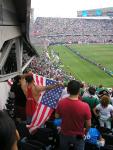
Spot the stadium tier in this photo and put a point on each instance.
(74, 30)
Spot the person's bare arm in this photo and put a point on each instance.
(26, 75)
(49, 87)
(23, 85)
(111, 114)
(95, 112)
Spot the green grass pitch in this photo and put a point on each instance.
(83, 70)
(102, 54)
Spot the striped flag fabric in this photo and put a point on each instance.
(46, 104)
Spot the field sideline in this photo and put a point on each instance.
(100, 53)
(81, 69)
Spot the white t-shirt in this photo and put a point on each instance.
(112, 100)
(105, 113)
(64, 94)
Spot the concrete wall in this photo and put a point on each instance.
(9, 26)
(4, 89)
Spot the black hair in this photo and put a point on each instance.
(15, 82)
(81, 85)
(27, 70)
(29, 79)
(100, 86)
(7, 131)
(112, 94)
(103, 92)
(73, 87)
(17, 78)
(92, 90)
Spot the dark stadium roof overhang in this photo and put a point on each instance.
(14, 35)
(23, 12)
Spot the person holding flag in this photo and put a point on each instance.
(33, 88)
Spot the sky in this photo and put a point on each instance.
(66, 8)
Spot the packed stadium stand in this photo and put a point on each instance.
(18, 55)
(74, 30)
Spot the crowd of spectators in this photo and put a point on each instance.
(98, 99)
(100, 103)
(75, 30)
(46, 67)
(95, 97)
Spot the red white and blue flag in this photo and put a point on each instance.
(47, 102)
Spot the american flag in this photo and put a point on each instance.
(46, 104)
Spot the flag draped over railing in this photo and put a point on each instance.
(46, 104)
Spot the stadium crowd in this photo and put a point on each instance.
(47, 26)
(97, 100)
(46, 67)
(81, 109)
(65, 30)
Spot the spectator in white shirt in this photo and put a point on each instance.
(104, 111)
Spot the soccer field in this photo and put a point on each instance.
(101, 53)
(82, 69)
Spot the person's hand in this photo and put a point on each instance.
(61, 84)
(17, 135)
